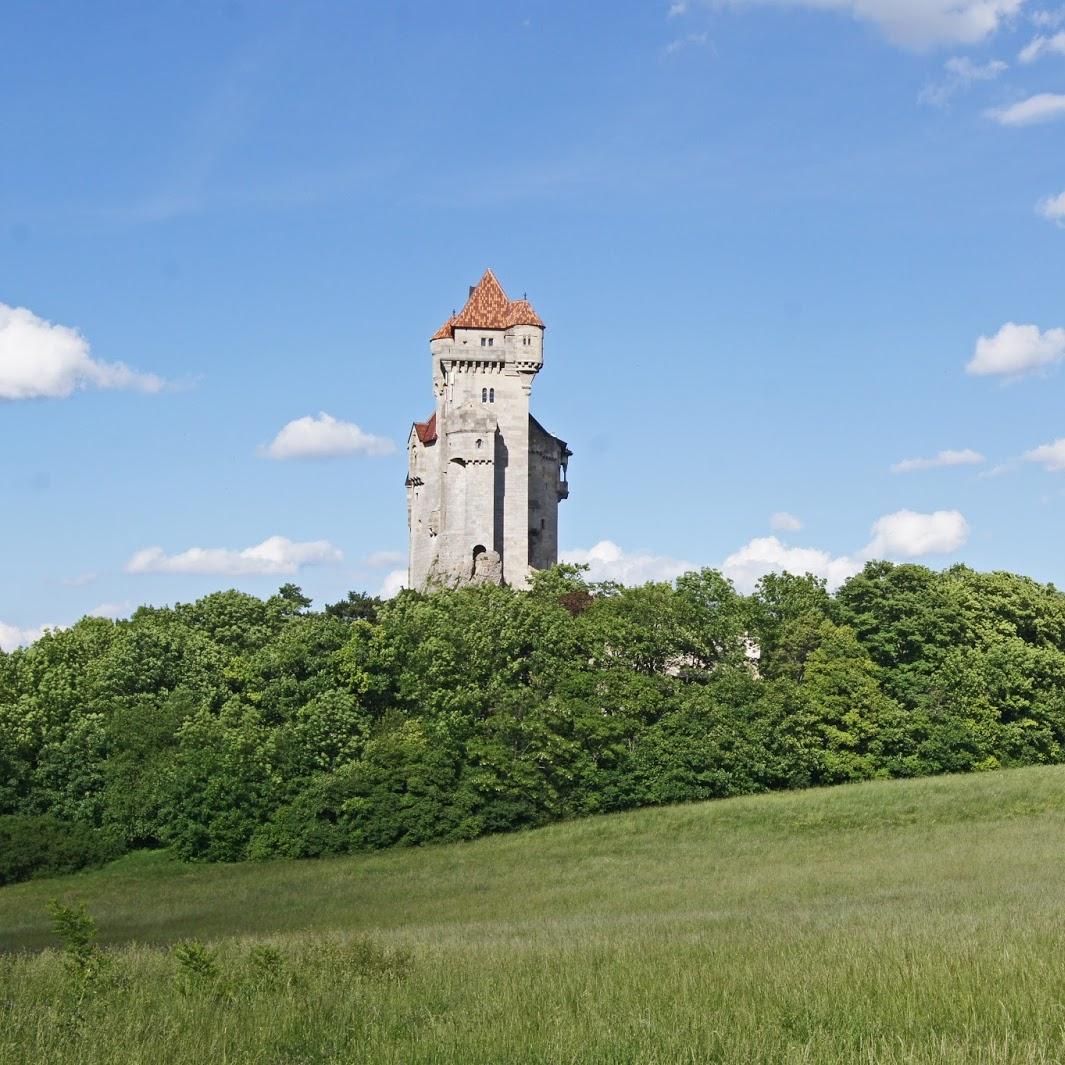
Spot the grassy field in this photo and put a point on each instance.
(919, 921)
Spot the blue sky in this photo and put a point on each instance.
(781, 247)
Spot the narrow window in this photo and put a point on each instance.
(483, 341)
(491, 395)
(484, 395)
(491, 341)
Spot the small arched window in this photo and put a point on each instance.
(491, 395)
(484, 395)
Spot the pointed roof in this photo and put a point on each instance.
(489, 308)
(426, 430)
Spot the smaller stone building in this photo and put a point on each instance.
(485, 477)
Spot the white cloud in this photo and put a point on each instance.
(1048, 19)
(324, 437)
(961, 73)
(917, 24)
(381, 559)
(608, 562)
(907, 534)
(699, 40)
(1050, 456)
(1053, 208)
(766, 554)
(782, 521)
(111, 610)
(11, 636)
(393, 583)
(39, 359)
(1017, 349)
(1043, 107)
(1042, 46)
(678, 8)
(277, 555)
(80, 580)
(965, 457)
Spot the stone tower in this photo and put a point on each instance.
(485, 478)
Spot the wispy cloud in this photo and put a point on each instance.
(111, 610)
(1041, 46)
(961, 73)
(965, 457)
(915, 24)
(1048, 19)
(782, 521)
(381, 559)
(689, 40)
(1043, 107)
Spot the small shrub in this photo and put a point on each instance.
(266, 968)
(197, 967)
(76, 931)
(32, 846)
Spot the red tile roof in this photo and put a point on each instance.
(489, 308)
(426, 430)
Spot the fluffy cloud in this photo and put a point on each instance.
(1017, 349)
(11, 636)
(277, 555)
(907, 534)
(39, 359)
(961, 73)
(1050, 456)
(766, 554)
(1053, 207)
(904, 534)
(917, 24)
(1043, 107)
(324, 437)
(966, 457)
(608, 562)
(394, 582)
(1042, 46)
(782, 521)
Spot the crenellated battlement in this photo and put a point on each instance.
(485, 477)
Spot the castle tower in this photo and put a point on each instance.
(485, 478)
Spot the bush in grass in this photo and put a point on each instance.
(40, 845)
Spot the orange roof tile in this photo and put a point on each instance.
(426, 430)
(489, 308)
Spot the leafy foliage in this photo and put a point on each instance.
(235, 727)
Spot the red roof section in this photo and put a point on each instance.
(489, 308)
(426, 430)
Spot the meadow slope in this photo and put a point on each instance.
(903, 921)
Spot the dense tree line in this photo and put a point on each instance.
(234, 728)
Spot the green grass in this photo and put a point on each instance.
(910, 921)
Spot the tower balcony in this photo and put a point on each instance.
(562, 489)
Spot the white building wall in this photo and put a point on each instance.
(463, 495)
